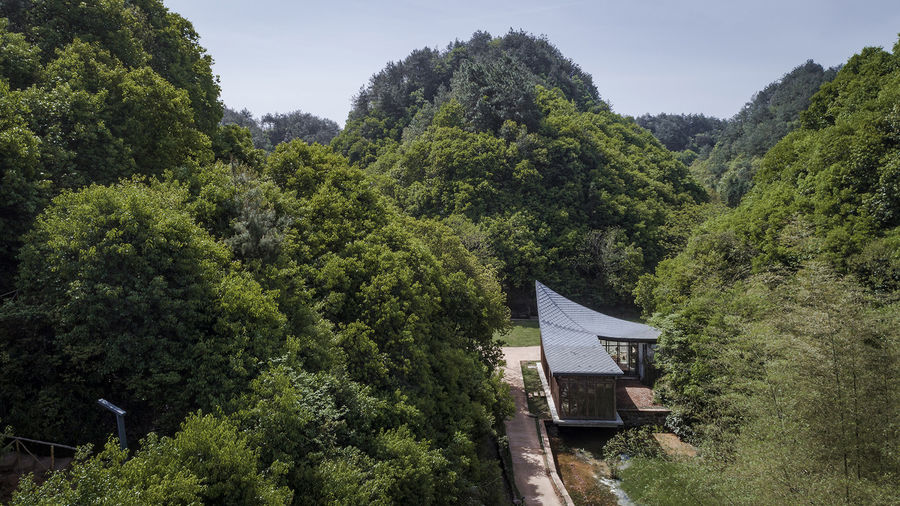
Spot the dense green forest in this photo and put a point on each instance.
(690, 135)
(294, 313)
(780, 317)
(276, 328)
(507, 142)
(274, 128)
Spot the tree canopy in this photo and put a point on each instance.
(122, 295)
(93, 92)
(693, 134)
(274, 128)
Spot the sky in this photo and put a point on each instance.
(646, 56)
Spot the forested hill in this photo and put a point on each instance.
(725, 154)
(493, 79)
(780, 343)
(274, 128)
(507, 142)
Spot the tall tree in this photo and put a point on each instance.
(299, 125)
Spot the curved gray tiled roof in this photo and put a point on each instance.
(570, 332)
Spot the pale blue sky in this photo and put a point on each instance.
(645, 56)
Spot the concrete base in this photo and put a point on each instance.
(569, 422)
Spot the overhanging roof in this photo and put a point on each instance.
(571, 333)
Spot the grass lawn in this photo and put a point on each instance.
(523, 333)
(537, 404)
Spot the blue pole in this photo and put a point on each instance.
(120, 420)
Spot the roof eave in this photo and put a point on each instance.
(630, 339)
(583, 373)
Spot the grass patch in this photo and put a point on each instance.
(537, 404)
(523, 333)
(660, 481)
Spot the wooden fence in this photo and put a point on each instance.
(24, 459)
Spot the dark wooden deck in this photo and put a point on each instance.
(634, 403)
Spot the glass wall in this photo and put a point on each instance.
(624, 354)
(587, 397)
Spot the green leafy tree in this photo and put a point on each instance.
(234, 144)
(832, 353)
(784, 376)
(413, 314)
(122, 295)
(696, 133)
(138, 33)
(21, 193)
(100, 122)
(779, 315)
(19, 60)
(108, 88)
(244, 118)
(274, 128)
(319, 426)
(412, 324)
(253, 216)
(207, 462)
(494, 91)
(298, 125)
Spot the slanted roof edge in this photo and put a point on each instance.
(570, 346)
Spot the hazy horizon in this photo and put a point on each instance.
(690, 57)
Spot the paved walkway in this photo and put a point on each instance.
(529, 468)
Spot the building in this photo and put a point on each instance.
(583, 354)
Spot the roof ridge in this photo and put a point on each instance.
(545, 288)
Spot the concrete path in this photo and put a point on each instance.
(527, 456)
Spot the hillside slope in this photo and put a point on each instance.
(507, 141)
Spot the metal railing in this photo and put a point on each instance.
(20, 445)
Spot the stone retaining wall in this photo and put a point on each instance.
(646, 416)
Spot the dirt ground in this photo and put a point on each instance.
(673, 446)
(632, 394)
